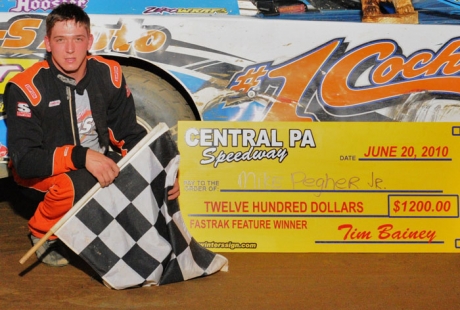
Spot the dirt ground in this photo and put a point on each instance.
(254, 281)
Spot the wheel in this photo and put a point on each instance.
(156, 100)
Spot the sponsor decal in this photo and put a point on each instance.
(340, 83)
(43, 5)
(3, 150)
(23, 110)
(54, 103)
(167, 10)
(10, 67)
(31, 91)
(25, 33)
(5, 69)
(116, 75)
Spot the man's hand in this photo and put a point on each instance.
(104, 169)
(175, 191)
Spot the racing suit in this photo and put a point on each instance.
(43, 137)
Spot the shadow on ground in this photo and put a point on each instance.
(19, 203)
(24, 207)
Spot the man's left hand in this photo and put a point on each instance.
(175, 191)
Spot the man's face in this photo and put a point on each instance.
(69, 43)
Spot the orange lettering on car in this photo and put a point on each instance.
(21, 34)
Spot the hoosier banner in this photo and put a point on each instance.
(321, 187)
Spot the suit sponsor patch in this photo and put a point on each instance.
(23, 110)
(54, 103)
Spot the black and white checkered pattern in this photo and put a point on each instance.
(129, 232)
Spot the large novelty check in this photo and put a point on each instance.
(321, 187)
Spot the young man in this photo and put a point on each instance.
(63, 113)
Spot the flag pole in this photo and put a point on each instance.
(155, 133)
(58, 225)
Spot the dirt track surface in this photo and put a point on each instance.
(254, 281)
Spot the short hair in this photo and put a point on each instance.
(65, 12)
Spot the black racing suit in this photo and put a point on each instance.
(43, 137)
(40, 106)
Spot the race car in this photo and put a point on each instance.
(236, 60)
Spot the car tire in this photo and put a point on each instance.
(156, 100)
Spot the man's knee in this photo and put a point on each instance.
(82, 181)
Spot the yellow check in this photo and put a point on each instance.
(321, 187)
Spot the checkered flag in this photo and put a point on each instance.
(130, 233)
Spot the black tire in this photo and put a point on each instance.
(156, 100)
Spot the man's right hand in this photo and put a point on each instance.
(104, 169)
